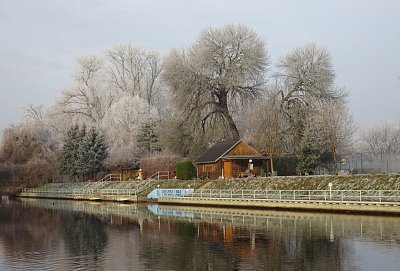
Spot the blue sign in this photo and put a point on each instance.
(173, 192)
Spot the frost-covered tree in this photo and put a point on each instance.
(332, 128)
(305, 78)
(86, 100)
(268, 126)
(135, 71)
(381, 138)
(92, 152)
(307, 75)
(223, 68)
(122, 123)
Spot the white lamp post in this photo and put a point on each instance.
(330, 190)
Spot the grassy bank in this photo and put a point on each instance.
(356, 182)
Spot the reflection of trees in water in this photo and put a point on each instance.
(83, 234)
(28, 231)
(290, 245)
(176, 246)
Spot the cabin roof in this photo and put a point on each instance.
(218, 151)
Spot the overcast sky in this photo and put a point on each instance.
(41, 39)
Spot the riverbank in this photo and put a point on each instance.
(133, 191)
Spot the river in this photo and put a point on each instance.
(70, 235)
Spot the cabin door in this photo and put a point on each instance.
(227, 169)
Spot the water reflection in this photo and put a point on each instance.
(64, 235)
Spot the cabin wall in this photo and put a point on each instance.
(210, 170)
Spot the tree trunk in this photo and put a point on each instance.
(223, 105)
(232, 127)
(272, 167)
(334, 160)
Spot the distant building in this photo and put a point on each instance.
(231, 159)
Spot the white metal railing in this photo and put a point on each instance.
(302, 195)
(159, 175)
(111, 177)
(75, 192)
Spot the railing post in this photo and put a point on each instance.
(341, 192)
(294, 194)
(360, 195)
(309, 195)
(280, 194)
(380, 196)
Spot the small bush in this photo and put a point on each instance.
(185, 170)
(159, 162)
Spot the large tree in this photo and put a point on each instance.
(268, 125)
(86, 100)
(121, 125)
(135, 71)
(332, 127)
(223, 68)
(306, 75)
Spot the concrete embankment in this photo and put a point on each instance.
(131, 198)
(325, 206)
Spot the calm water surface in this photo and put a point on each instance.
(67, 235)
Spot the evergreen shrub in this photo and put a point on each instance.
(185, 170)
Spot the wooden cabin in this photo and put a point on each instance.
(231, 159)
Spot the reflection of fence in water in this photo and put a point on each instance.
(381, 228)
(86, 207)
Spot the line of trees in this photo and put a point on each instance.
(223, 86)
